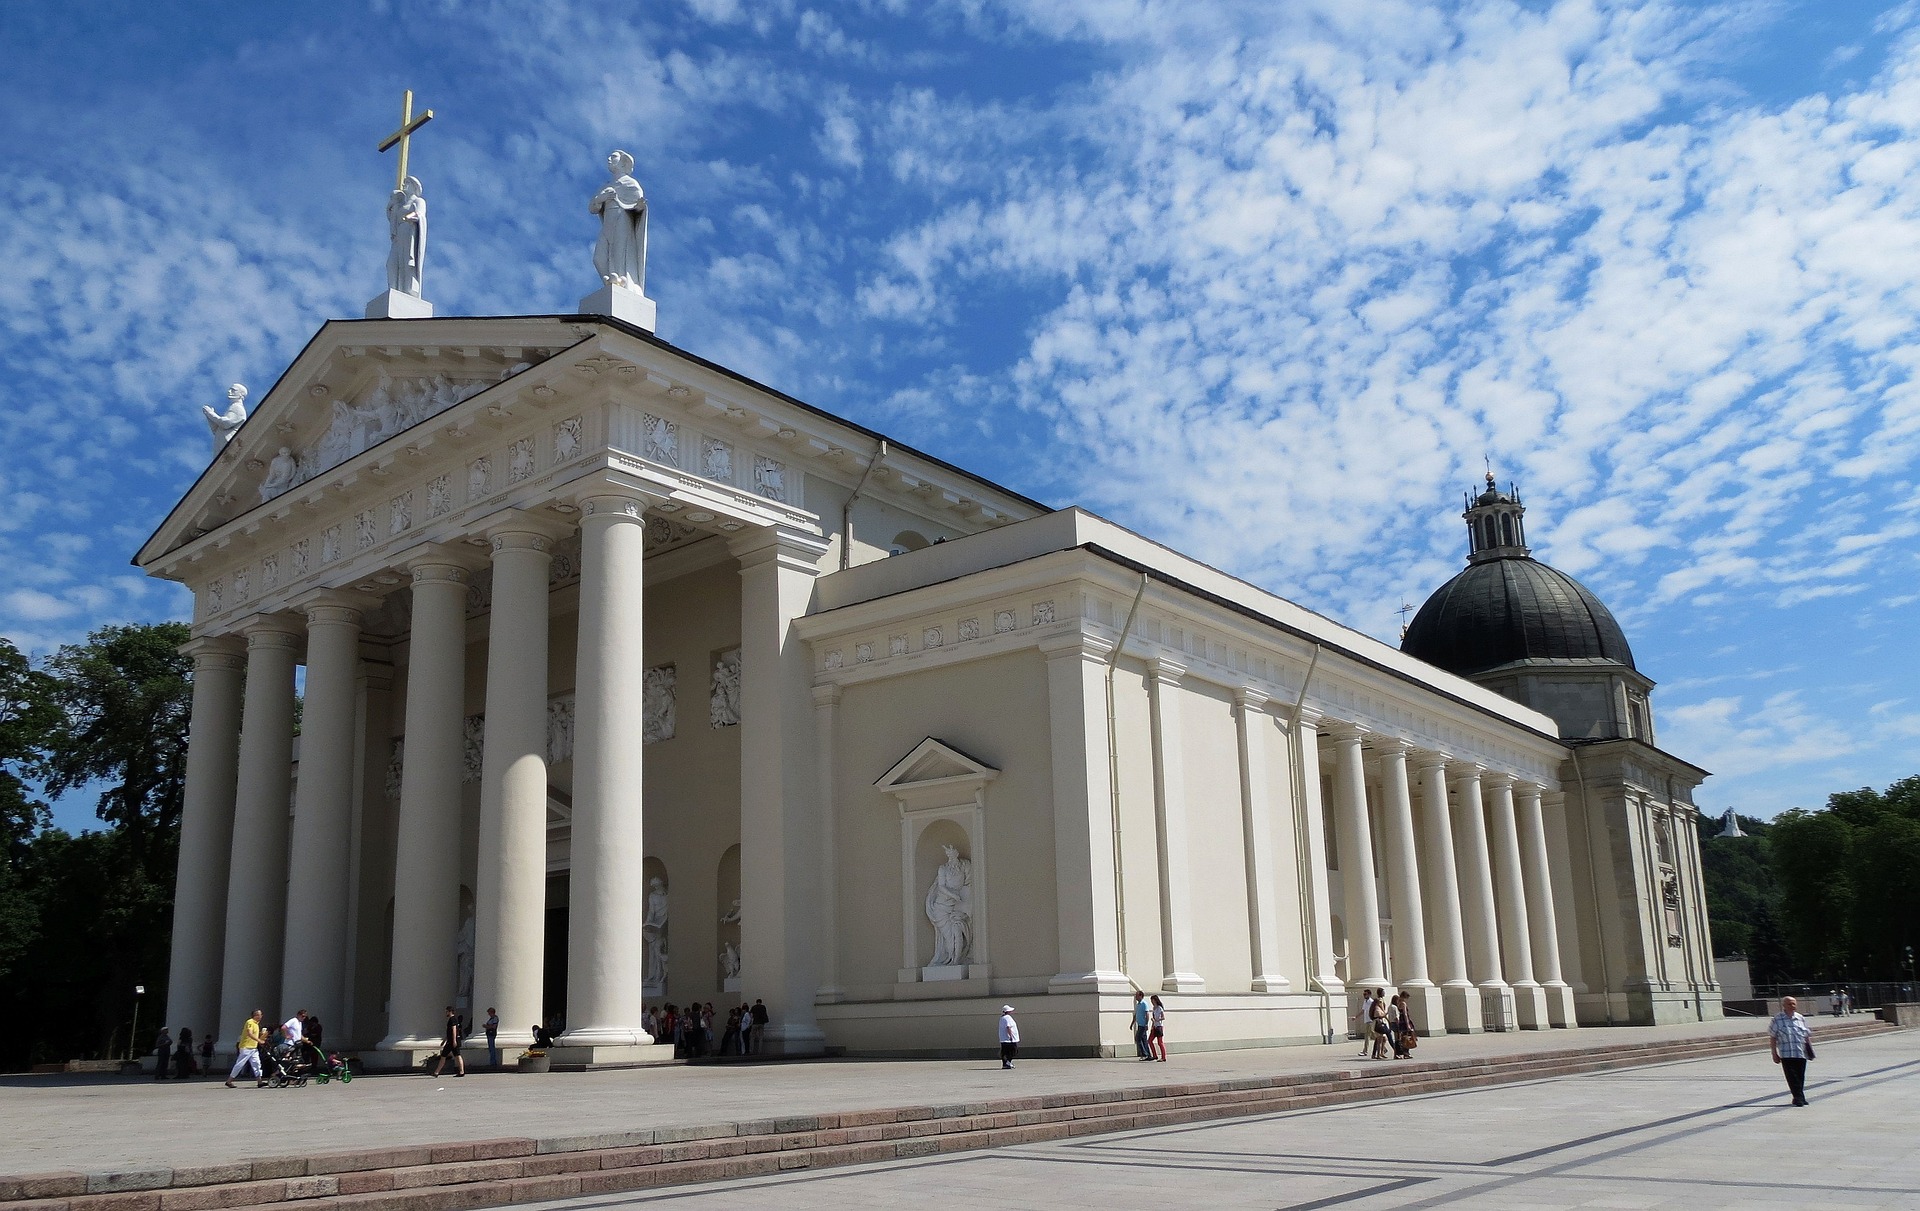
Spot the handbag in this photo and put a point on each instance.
(1809, 1047)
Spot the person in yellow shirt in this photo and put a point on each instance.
(249, 1049)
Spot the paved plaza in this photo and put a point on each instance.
(1711, 1133)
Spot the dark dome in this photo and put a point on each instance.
(1503, 610)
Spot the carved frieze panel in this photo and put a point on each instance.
(931, 638)
(241, 585)
(896, 645)
(657, 704)
(477, 474)
(862, 652)
(1042, 613)
(330, 544)
(213, 595)
(363, 529)
(1003, 621)
(299, 559)
(567, 441)
(770, 478)
(520, 460)
(390, 407)
(716, 460)
(662, 439)
(560, 729)
(400, 513)
(439, 495)
(269, 572)
(969, 628)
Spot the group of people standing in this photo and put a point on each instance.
(1386, 1021)
(691, 1029)
(179, 1056)
(258, 1039)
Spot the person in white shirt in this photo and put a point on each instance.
(1792, 1044)
(296, 1028)
(1009, 1036)
(1366, 1022)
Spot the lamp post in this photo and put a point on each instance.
(139, 990)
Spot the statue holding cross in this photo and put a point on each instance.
(406, 228)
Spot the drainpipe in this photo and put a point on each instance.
(1113, 785)
(846, 510)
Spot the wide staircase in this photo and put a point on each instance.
(448, 1177)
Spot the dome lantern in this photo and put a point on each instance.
(1496, 524)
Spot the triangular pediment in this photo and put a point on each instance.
(934, 763)
(358, 387)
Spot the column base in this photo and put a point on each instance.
(1182, 981)
(1462, 1012)
(1496, 1005)
(406, 1055)
(1110, 982)
(566, 1056)
(504, 1041)
(1429, 1007)
(605, 1036)
(1530, 1005)
(1272, 984)
(1560, 1010)
(792, 1040)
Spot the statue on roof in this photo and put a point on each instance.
(223, 424)
(407, 231)
(620, 256)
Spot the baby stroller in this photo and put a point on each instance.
(333, 1068)
(287, 1066)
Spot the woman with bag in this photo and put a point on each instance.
(1380, 1025)
(1157, 1032)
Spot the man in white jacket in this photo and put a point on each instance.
(1009, 1036)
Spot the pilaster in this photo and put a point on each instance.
(1257, 843)
(1086, 860)
(1170, 820)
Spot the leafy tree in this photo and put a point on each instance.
(27, 716)
(1813, 859)
(1739, 883)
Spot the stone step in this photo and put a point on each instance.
(448, 1177)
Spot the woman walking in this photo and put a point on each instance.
(1157, 1031)
(1379, 1024)
(183, 1056)
(1397, 1024)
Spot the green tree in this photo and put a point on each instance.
(27, 715)
(1739, 884)
(1813, 856)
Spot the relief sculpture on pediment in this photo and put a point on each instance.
(392, 406)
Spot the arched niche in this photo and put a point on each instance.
(942, 797)
(907, 540)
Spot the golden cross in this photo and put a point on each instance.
(408, 124)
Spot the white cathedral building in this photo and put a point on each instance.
(629, 680)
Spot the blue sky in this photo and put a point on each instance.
(1263, 281)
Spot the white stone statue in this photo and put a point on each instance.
(730, 961)
(657, 696)
(223, 424)
(282, 473)
(723, 705)
(621, 253)
(654, 930)
(733, 915)
(407, 230)
(950, 908)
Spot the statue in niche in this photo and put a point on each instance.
(950, 908)
(654, 930)
(656, 704)
(730, 962)
(223, 425)
(723, 706)
(407, 233)
(733, 914)
(282, 472)
(463, 960)
(620, 256)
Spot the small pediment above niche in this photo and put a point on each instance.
(936, 774)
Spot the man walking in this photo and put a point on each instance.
(1009, 1036)
(493, 1038)
(450, 1046)
(1142, 1017)
(759, 1017)
(247, 1050)
(1792, 1047)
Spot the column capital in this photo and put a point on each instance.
(1389, 746)
(273, 631)
(1165, 671)
(1499, 780)
(1340, 731)
(827, 695)
(1522, 789)
(1310, 715)
(336, 606)
(1077, 644)
(1423, 760)
(517, 529)
(436, 562)
(1246, 698)
(216, 651)
(794, 549)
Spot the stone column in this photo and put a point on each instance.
(206, 835)
(257, 880)
(1544, 927)
(606, 947)
(1311, 835)
(1529, 1001)
(1170, 820)
(317, 886)
(1086, 912)
(779, 788)
(1364, 966)
(1476, 888)
(1442, 885)
(426, 890)
(1403, 889)
(826, 711)
(510, 878)
(1256, 840)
